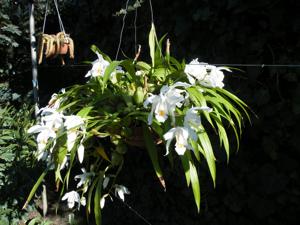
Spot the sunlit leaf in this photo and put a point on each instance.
(152, 38)
(195, 184)
(209, 154)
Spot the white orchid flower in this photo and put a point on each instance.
(84, 178)
(181, 135)
(73, 121)
(195, 70)
(53, 119)
(72, 197)
(165, 103)
(192, 120)
(207, 75)
(44, 134)
(99, 67)
(120, 190)
(72, 124)
(214, 76)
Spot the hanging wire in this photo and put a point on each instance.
(216, 64)
(122, 29)
(135, 30)
(134, 211)
(45, 17)
(253, 65)
(59, 18)
(61, 25)
(151, 11)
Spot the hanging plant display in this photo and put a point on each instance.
(53, 45)
(167, 107)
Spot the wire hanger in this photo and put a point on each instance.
(61, 25)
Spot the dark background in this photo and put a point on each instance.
(261, 183)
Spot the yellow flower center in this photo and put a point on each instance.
(161, 113)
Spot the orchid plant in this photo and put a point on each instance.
(174, 106)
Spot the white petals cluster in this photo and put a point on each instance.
(52, 123)
(99, 67)
(207, 75)
(192, 121)
(181, 135)
(164, 104)
(120, 191)
(72, 197)
(84, 178)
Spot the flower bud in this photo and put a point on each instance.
(138, 96)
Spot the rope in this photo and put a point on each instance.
(122, 29)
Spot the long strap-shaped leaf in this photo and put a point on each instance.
(152, 37)
(35, 187)
(97, 208)
(209, 154)
(195, 184)
(152, 151)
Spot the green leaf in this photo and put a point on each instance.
(111, 68)
(194, 145)
(85, 111)
(152, 151)
(7, 156)
(143, 66)
(209, 154)
(222, 133)
(161, 73)
(158, 52)
(97, 198)
(199, 100)
(152, 38)
(95, 49)
(186, 167)
(61, 109)
(34, 221)
(35, 187)
(90, 193)
(129, 67)
(195, 184)
(242, 104)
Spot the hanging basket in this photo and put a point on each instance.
(53, 45)
(63, 49)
